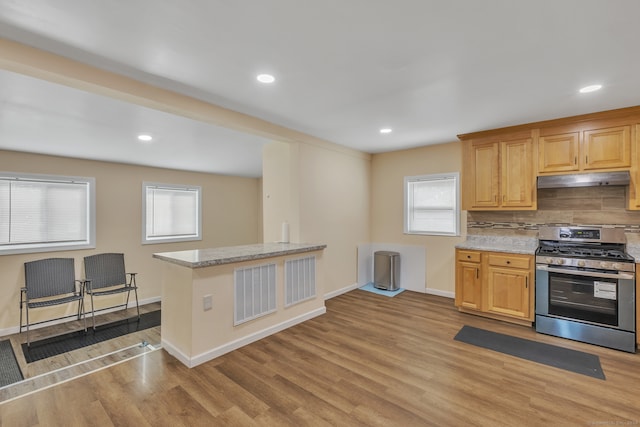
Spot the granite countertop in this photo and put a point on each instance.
(509, 244)
(198, 258)
(633, 245)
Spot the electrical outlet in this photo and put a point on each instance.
(207, 302)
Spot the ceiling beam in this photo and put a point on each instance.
(23, 59)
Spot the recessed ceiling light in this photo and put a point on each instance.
(386, 130)
(145, 137)
(591, 88)
(266, 78)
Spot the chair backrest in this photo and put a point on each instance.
(105, 270)
(49, 277)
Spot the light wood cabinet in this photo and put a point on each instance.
(558, 153)
(634, 187)
(468, 280)
(499, 172)
(507, 287)
(516, 174)
(637, 306)
(499, 175)
(484, 175)
(494, 284)
(586, 150)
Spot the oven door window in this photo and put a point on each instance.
(584, 298)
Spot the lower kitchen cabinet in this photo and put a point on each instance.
(468, 283)
(495, 284)
(507, 285)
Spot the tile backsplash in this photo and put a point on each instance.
(601, 206)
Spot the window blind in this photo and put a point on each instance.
(42, 213)
(432, 204)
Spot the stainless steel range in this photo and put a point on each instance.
(585, 286)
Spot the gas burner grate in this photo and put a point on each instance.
(586, 252)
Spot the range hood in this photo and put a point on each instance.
(584, 180)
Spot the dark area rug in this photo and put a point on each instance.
(547, 354)
(74, 340)
(9, 370)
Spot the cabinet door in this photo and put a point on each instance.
(517, 173)
(468, 285)
(606, 148)
(508, 292)
(484, 175)
(558, 153)
(634, 187)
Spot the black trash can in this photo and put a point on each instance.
(386, 270)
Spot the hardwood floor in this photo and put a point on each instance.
(370, 361)
(56, 369)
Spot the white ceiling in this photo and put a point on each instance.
(429, 69)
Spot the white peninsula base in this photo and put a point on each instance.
(217, 300)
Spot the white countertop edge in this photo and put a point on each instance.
(198, 258)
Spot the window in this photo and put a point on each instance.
(171, 213)
(40, 213)
(432, 204)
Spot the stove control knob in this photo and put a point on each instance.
(560, 261)
(604, 264)
(549, 260)
(616, 266)
(581, 263)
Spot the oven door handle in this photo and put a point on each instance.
(586, 273)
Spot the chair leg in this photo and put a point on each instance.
(126, 303)
(28, 342)
(82, 313)
(20, 313)
(137, 306)
(93, 313)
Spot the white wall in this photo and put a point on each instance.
(323, 191)
(412, 264)
(387, 208)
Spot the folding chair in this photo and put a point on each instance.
(105, 275)
(50, 282)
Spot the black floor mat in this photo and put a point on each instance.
(559, 357)
(9, 370)
(74, 340)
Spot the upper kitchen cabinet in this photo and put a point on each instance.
(498, 173)
(634, 188)
(500, 166)
(585, 150)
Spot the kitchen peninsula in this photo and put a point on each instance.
(217, 300)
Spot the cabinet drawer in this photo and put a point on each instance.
(470, 256)
(512, 261)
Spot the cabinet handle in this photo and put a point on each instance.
(526, 281)
(477, 273)
(468, 256)
(508, 262)
(575, 160)
(586, 160)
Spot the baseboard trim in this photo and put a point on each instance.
(438, 292)
(344, 290)
(173, 350)
(241, 342)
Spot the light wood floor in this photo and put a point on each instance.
(52, 370)
(370, 361)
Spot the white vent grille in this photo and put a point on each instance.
(300, 280)
(255, 292)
